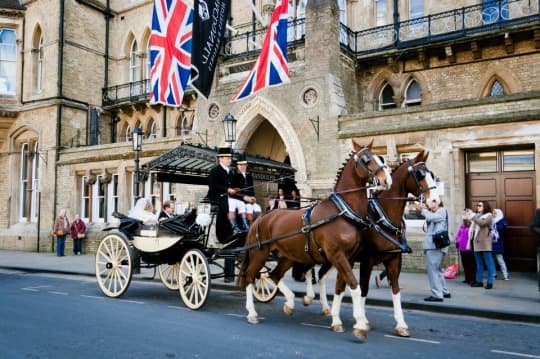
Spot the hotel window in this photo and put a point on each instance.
(85, 199)
(386, 98)
(29, 183)
(497, 89)
(112, 197)
(416, 9)
(413, 94)
(8, 61)
(134, 63)
(381, 12)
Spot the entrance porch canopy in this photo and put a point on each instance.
(191, 164)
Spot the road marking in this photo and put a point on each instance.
(515, 354)
(130, 301)
(180, 308)
(35, 288)
(413, 339)
(92, 296)
(241, 316)
(58, 293)
(316, 325)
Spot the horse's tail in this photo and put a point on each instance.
(244, 258)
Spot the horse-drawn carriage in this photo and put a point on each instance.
(336, 231)
(182, 250)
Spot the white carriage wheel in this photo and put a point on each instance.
(194, 279)
(114, 265)
(169, 275)
(264, 289)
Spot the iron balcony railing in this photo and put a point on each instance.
(498, 14)
(250, 42)
(129, 92)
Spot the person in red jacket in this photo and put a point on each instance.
(78, 229)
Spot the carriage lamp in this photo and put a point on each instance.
(229, 126)
(137, 147)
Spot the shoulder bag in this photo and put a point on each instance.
(441, 238)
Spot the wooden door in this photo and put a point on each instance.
(514, 194)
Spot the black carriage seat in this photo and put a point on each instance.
(128, 225)
(183, 225)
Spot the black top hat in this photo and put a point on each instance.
(224, 152)
(242, 160)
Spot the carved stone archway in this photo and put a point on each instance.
(253, 114)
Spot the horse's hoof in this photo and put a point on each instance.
(403, 332)
(307, 301)
(253, 320)
(326, 312)
(368, 327)
(338, 328)
(360, 334)
(288, 310)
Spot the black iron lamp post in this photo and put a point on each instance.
(229, 126)
(137, 147)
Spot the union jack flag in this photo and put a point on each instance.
(271, 68)
(170, 51)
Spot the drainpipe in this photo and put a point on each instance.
(107, 19)
(22, 62)
(164, 122)
(396, 22)
(58, 108)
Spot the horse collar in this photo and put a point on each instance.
(347, 211)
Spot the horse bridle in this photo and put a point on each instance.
(419, 171)
(362, 158)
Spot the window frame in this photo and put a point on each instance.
(387, 105)
(10, 50)
(412, 102)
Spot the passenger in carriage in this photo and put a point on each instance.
(144, 211)
(243, 180)
(167, 211)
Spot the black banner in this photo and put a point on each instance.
(209, 20)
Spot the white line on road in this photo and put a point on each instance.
(241, 316)
(92, 296)
(58, 293)
(515, 354)
(130, 301)
(413, 339)
(316, 325)
(176, 307)
(35, 288)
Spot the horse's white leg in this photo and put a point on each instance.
(252, 316)
(288, 307)
(325, 307)
(360, 327)
(337, 325)
(362, 313)
(310, 294)
(401, 327)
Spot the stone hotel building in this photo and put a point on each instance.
(459, 78)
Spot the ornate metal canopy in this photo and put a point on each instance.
(191, 164)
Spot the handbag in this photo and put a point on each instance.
(59, 232)
(441, 238)
(81, 235)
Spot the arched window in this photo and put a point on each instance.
(37, 58)
(129, 134)
(151, 131)
(413, 94)
(134, 63)
(497, 89)
(386, 98)
(28, 182)
(8, 61)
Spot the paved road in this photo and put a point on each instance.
(47, 315)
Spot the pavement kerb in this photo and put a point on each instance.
(436, 308)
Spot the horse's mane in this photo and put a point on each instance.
(342, 168)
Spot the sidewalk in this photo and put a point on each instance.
(517, 299)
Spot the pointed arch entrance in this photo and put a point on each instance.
(265, 130)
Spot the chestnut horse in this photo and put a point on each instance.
(324, 232)
(385, 243)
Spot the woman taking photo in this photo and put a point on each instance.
(481, 241)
